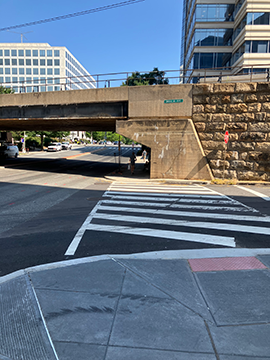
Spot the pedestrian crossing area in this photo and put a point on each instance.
(186, 213)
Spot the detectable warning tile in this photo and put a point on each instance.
(228, 263)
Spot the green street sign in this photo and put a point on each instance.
(173, 101)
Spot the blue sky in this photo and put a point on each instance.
(136, 37)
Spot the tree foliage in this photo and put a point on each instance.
(4, 90)
(109, 136)
(154, 77)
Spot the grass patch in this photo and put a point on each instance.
(224, 181)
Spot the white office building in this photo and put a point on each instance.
(30, 67)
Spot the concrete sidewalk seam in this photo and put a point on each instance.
(159, 289)
(42, 317)
(115, 313)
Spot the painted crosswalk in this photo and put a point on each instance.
(191, 213)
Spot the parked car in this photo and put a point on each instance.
(55, 146)
(9, 151)
(66, 145)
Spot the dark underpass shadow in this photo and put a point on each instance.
(70, 163)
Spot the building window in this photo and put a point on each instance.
(49, 71)
(41, 52)
(1, 61)
(28, 71)
(35, 62)
(1, 79)
(21, 52)
(213, 37)
(56, 71)
(21, 71)
(13, 52)
(56, 53)
(7, 62)
(1, 71)
(7, 79)
(14, 62)
(21, 61)
(14, 71)
(49, 52)
(28, 62)
(211, 60)
(57, 81)
(42, 62)
(35, 71)
(260, 46)
(217, 12)
(35, 53)
(6, 52)
(7, 71)
(56, 62)
(49, 62)
(21, 79)
(15, 80)
(42, 71)
(27, 52)
(1, 52)
(50, 88)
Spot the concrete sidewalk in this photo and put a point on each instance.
(174, 305)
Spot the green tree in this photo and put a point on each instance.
(4, 90)
(154, 77)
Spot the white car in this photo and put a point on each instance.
(55, 146)
(8, 151)
(66, 145)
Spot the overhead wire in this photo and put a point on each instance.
(80, 13)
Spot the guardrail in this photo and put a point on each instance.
(228, 74)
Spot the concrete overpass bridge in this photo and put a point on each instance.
(159, 117)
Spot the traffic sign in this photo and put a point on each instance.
(173, 101)
(226, 137)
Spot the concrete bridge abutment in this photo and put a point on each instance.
(176, 151)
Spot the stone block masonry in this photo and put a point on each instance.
(244, 110)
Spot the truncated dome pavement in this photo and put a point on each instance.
(228, 263)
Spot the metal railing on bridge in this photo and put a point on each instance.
(180, 76)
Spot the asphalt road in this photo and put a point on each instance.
(60, 206)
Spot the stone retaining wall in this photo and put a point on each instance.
(244, 110)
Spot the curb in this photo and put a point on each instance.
(153, 255)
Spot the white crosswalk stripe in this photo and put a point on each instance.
(190, 213)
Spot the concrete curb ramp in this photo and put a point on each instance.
(140, 306)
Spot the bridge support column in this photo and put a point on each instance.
(176, 151)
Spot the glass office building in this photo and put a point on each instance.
(229, 37)
(41, 67)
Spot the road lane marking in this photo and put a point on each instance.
(193, 224)
(188, 214)
(193, 196)
(211, 207)
(77, 239)
(127, 197)
(157, 204)
(173, 235)
(264, 197)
